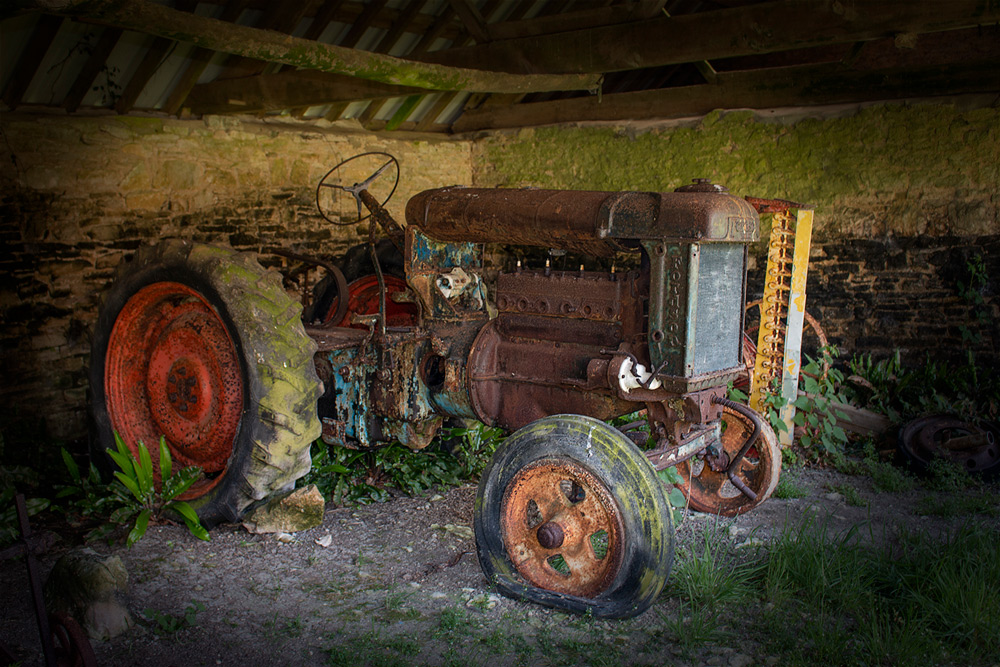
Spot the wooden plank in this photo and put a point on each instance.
(200, 58)
(751, 29)
(402, 24)
(284, 90)
(143, 73)
(31, 58)
(96, 62)
(434, 32)
(759, 89)
(276, 17)
(149, 17)
(430, 118)
(564, 22)
(856, 420)
(361, 25)
(473, 21)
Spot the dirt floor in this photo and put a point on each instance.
(399, 583)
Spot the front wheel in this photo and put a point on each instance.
(711, 491)
(202, 346)
(571, 515)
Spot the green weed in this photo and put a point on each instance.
(137, 496)
(168, 624)
(788, 488)
(851, 495)
(707, 574)
(351, 477)
(958, 505)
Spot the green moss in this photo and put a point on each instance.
(899, 165)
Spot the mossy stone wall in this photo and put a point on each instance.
(79, 194)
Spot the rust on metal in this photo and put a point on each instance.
(562, 529)
(762, 205)
(972, 446)
(544, 353)
(596, 223)
(172, 370)
(711, 488)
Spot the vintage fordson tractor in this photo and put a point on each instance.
(201, 345)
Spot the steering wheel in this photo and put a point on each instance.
(338, 195)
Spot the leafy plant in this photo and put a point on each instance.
(352, 477)
(86, 496)
(675, 496)
(815, 412)
(475, 446)
(971, 291)
(139, 497)
(9, 529)
(937, 387)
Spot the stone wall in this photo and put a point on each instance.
(906, 199)
(80, 194)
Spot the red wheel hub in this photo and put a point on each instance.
(362, 299)
(172, 371)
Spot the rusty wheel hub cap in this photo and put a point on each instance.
(561, 528)
(711, 490)
(172, 371)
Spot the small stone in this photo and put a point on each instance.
(437, 595)
(834, 497)
(285, 538)
(436, 497)
(414, 584)
(91, 589)
(299, 510)
(325, 541)
(739, 660)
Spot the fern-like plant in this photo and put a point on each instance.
(139, 497)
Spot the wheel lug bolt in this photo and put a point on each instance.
(550, 535)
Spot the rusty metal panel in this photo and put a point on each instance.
(585, 221)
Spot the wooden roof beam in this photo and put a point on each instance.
(200, 58)
(806, 85)
(161, 21)
(96, 62)
(751, 29)
(473, 21)
(31, 58)
(284, 90)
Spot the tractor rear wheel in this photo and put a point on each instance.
(201, 345)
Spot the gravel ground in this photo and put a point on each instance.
(399, 583)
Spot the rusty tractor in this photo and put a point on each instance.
(201, 345)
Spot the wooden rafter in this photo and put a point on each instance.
(758, 89)
(283, 90)
(278, 17)
(199, 58)
(96, 62)
(157, 51)
(396, 31)
(473, 21)
(143, 73)
(31, 59)
(151, 18)
(760, 28)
